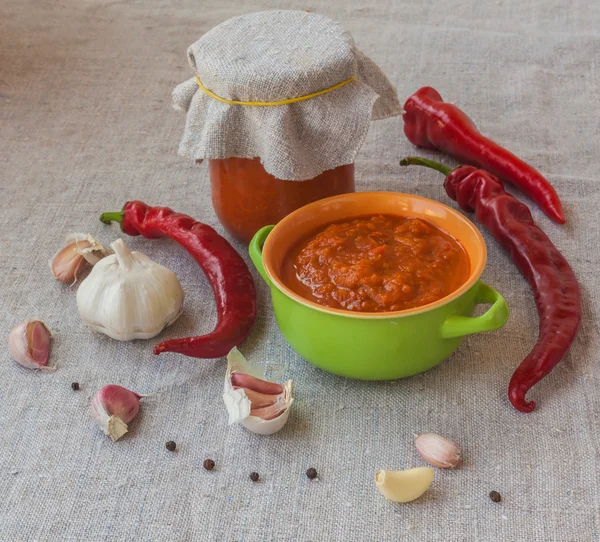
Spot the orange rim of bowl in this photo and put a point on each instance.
(474, 275)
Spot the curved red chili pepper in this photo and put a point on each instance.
(550, 276)
(431, 123)
(225, 269)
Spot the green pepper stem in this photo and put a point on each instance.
(417, 161)
(109, 218)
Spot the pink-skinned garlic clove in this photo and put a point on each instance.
(251, 382)
(29, 344)
(269, 412)
(261, 406)
(437, 450)
(258, 399)
(79, 253)
(113, 407)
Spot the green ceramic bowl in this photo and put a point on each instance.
(376, 346)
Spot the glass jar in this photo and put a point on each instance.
(246, 198)
(290, 89)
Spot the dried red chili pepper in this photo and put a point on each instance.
(431, 123)
(550, 276)
(227, 272)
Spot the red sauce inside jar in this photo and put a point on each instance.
(246, 198)
(378, 263)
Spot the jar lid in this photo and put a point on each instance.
(289, 87)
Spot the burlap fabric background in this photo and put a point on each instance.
(86, 123)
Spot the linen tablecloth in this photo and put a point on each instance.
(86, 124)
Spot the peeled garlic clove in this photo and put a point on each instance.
(128, 296)
(113, 407)
(438, 450)
(79, 253)
(261, 406)
(404, 485)
(29, 344)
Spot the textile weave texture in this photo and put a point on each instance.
(86, 124)
(275, 55)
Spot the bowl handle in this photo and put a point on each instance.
(255, 250)
(457, 325)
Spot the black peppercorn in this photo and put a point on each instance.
(208, 464)
(311, 473)
(495, 496)
(75, 386)
(171, 446)
(254, 476)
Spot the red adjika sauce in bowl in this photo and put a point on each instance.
(376, 263)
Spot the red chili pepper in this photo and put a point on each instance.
(227, 272)
(431, 123)
(550, 276)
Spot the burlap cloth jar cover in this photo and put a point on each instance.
(275, 56)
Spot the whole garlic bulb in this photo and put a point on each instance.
(128, 296)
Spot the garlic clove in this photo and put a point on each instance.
(269, 412)
(79, 253)
(437, 450)
(257, 399)
(29, 344)
(128, 296)
(261, 406)
(404, 485)
(249, 381)
(113, 407)
(95, 252)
